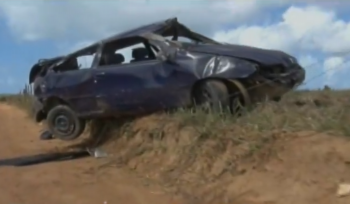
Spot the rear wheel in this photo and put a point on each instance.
(212, 95)
(64, 124)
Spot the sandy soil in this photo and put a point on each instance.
(62, 182)
(293, 168)
(303, 168)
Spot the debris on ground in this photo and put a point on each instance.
(343, 190)
(46, 135)
(96, 152)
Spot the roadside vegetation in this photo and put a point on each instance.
(184, 150)
(322, 110)
(23, 100)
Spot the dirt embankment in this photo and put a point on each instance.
(184, 159)
(299, 168)
(77, 181)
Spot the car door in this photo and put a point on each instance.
(173, 85)
(140, 86)
(126, 88)
(76, 87)
(175, 81)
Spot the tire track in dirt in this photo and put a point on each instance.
(62, 182)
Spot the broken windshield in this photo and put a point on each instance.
(193, 38)
(185, 40)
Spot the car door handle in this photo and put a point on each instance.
(100, 74)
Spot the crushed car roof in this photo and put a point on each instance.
(155, 27)
(163, 27)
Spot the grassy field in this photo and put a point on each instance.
(208, 146)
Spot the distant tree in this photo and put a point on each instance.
(327, 88)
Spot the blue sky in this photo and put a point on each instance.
(314, 32)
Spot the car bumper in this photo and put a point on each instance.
(276, 85)
(291, 79)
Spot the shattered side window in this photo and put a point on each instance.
(75, 63)
(125, 51)
(180, 39)
(81, 59)
(85, 62)
(128, 52)
(186, 40)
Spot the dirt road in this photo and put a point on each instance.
(62, 182)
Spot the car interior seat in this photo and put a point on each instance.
(113, 58)
(116, 58)
(139, 54)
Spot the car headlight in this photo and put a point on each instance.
(293, 60)
(218, 65)
(222, 64)
(209, 68)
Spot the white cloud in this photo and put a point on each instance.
(333, 63)
(301, 29)
(304, 28)
(305, 31)
(311, 27)
(90, 19)
(336, 68)
(308, 61)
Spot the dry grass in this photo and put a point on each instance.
(184, 150)
(322, 110)
(23, 100)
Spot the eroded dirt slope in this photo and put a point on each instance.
(303, 168)
(64, 182)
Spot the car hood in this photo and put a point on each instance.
(262, 56)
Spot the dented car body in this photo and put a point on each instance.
(164, 73)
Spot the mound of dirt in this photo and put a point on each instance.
(75, 181)
(303, 167)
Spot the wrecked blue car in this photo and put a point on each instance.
(173, 67)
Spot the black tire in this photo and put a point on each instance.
(277, 98)
(212, 94)
(239, 97)
(64, 123)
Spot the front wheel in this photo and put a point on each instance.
(212, 95)
(64, 124)
(277, 98)
(239, 97)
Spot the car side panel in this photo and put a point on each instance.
(140, 87)
(175, 85)
(75, 87)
